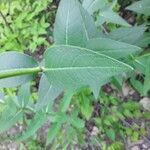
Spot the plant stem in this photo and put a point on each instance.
(18, 72)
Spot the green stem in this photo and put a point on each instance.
(19, 72)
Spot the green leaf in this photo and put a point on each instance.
(146, 115)
(128, 113)
(111, 134)
(144, 40)
(11, 120)
(137, 85)
(66, 67)
(118, 82)
(146, 87)
(39, 119)
(12, 61)
(66, 101)
(24, 95)
(89, 25)
(1, 96)
(47, 92)
(142, 7)
(116, 146)
(77, 122)
(139, 63)
(135, 136)
(94, 5)
(109, 16)
(9, 116)
(86, 106)
(73, 24)
(55, 128)
(112, 48)
(127, 35)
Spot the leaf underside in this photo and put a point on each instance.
(12, 61)
(112, 48)
(47, 92)
(73, 25)
(72, 67)
(142, 7)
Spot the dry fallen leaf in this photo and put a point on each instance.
(95, 131)
(146, 103)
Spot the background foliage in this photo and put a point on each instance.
(24, 24)
(112, 37)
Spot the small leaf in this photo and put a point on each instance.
(111, 134)
(9, 116)
(66, 101)
(24, 95)
(13, 61)
(137, 85)
(47, 92)
(135, 136)
(94, 5)
(146, 86)
(39, 119)
(142, 7)
(77, 122)
(112, 48)
(140, 66)
(144, 40)
(127, 113)
(1, 96)
(139, 62)
(128, 35)
(109, 16)
(147, 115)
(55, 128)
(11, 121)
(118, 82)
(86, 107)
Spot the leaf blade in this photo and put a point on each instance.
(67, 68)
(47, 93)
(93, 5)
(24, 95)
(127, 35)
(109, 16)
(112, 48)
(142, 7)
(73, 24)
(39, 119)
(15, 61)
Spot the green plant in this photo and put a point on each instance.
(140, 79)
(105, 12)
(81, 58)
(140, 7)
(23, 24)
(113, 113)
